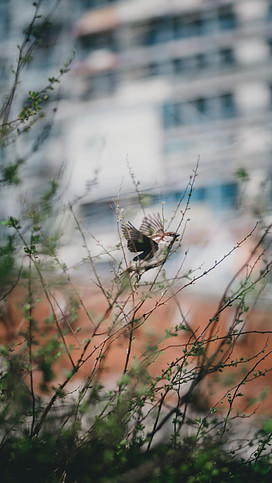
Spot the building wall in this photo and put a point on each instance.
(206, 70)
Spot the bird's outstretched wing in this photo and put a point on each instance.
(152, 225)
(138, 241)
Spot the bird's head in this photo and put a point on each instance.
(170, 236)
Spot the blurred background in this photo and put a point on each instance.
(155, 86)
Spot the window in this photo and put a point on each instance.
(203, 61)
(227, 106)
(270, 46)
(4, 69)
(209, 25)
(269, 16)
(220, 196)
(103, 40)
(171, 115)
(202, 109)
(226, 19)
(159, 68)
(201, 105)
(178, 65)
(226, 56)
(46, 32)
(202, 24)
(193, 112)
(229, 193)
(133, 73)
(101, 84)
(48, 35)
(98, 213)
(96, 3)
(175, 27)
(271, 97)
(153, 69)
(190, 63)
(187, 26)
(217, 195)
(4, 19)
(158, 31)
(198, 194)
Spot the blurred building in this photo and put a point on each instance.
(180, 80)
(155, 86)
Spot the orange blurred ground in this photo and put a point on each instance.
(146, 337)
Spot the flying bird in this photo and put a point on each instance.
(151, 243)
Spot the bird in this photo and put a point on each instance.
(151, 243)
